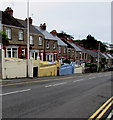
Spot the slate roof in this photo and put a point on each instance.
(47, 35)
(32, 29)
(68, 45)
(100, 55)
(109, 55)
(60, 42)
(10, 20)
(92, 53)
(83, 49)
(75, 46)
(105, 56)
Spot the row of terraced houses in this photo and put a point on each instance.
(43, 44)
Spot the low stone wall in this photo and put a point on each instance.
(14, 69)
(48, 68)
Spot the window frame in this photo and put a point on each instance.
(40, 41)
(31, 43)
(73, 52)
(9, 33)
(11, 50)
(23, 51)
(64, 50)
(20, 35)
(54, 45)
(59, 49)
(47, 44)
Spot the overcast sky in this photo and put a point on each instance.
(75, 18)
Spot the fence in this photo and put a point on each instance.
(79, 68)
(67, 69)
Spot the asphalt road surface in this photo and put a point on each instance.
(61, 97)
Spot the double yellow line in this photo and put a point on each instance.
(102, 110)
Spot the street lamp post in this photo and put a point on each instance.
(27, 38)
(98, 59)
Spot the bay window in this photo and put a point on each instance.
(12, 52)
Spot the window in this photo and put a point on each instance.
(54, 45)
(34, 54)
(54, 57)
(8, 33)
(31, 40)
(59, 49)
(69, 52)
(73, 53)
(8, 52)
(85, 55)
(40, 41)
(23, 51)
(64, 49)
(12, 52)
(47, 44)
(49, 57)
(20, 35)
(0, 25)
(80, 54)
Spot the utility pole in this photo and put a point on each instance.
(98, 59)
(27, 38)
(1, 61)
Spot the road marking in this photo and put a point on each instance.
(90, 74)
(56, 84)
(14, 92)
(100, 109)
(78, 80)
(104, 111)
(36, 81)
(92, 77)
(105, 75)
(100, 76)
(5, 80)
(110, 115)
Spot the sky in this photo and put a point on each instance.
(75, 18)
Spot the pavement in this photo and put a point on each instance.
(72, 96)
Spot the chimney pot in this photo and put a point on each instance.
(54, 32)
(43, 26)
(9, 11)
(30, 20)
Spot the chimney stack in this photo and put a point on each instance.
(54, 32)
(43, 26)
(9, 11)
(30, 20)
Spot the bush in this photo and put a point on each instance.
(92, 67)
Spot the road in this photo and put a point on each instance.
(61, 97)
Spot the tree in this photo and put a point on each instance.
(64, 34)
(91, 43)
(110, 51)
(4, 38)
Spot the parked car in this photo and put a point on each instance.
(110, 68)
